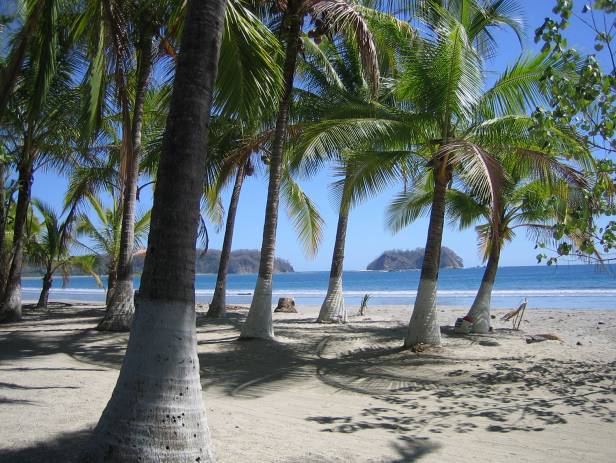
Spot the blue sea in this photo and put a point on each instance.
(561, 286)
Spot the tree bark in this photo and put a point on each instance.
(44, 296)
(480, 310)
(259, 320)
(156, 412)
(11, 303)
(217, 307)
(111, 281)
(424, 327)
(333, 308)
(3, 218)
(121, 306)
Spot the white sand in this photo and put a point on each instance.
(335, 393)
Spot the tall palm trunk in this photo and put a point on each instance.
(424, 327)
(218, 306)
(44, 296)
(3, 219)
(480, 310)
(259, 320)
(333, 308)
(121, 306)
(11, 303)
(156, 411)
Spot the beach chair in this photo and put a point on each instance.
(516, 315)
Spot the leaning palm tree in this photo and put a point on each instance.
(530, 202)
(159, 379)
(330, 16)
(533, 197)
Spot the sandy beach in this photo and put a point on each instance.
(334, 393)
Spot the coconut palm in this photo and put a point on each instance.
(160, 373)
(441, 117)
(329, 16)
(100, 234)
(40, 27)
(241, 156)
(51, 250)
(333, 76)
(532, 196)
(246, 51)
(40, 133)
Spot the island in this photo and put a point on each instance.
(241, 261)
(399, 259)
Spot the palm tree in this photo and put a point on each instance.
(156, 411)
(441, 117)
(41, 134)
(102, 235)
(533, 197)
(536, 206)
(217, 307)
(329, 16)
(51, 250)
(36, 40)
(333, 76)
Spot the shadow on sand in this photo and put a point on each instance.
(419, 395)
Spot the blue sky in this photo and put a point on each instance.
(366, 236)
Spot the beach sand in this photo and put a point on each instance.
(335, 393)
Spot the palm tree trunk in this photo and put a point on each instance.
(11, 303)
(3, 218)
(259, 320)
(333, 308)
(217, 308)
(44, 296)
(111, 280)
(424, 327)
(156, 411)
(480, 310)
(121, 306)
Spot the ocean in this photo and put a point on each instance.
(561, 286)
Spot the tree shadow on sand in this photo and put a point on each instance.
(64, 448)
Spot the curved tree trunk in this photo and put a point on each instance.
(480, 310)
(44, 296)
(424, 327)
(156, 412)
(332, 309)
(121, 306)
(11, 303)
(259, 320)
(217, 307)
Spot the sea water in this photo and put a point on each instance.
(560, 286)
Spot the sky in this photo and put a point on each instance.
(367, 236)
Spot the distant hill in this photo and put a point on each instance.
(241, 261)
(397, 259)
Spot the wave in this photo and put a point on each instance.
(314, 293)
